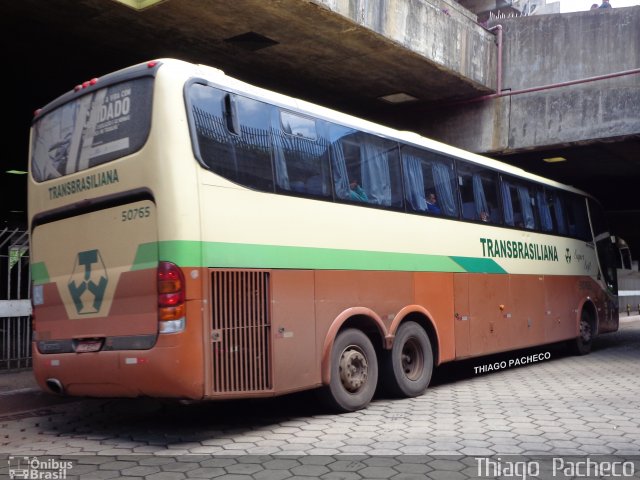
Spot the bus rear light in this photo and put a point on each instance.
(172, 326)
(152, 64)
(171, 313)
(171, 298)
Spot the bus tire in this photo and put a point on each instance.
(354, 372)
(581, 345)
(407, 367)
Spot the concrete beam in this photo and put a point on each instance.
(441, 31)
(545, 51)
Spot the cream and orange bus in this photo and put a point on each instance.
(196, 237)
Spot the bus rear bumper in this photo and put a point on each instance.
(160, 372)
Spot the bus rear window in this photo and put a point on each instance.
(93, 129)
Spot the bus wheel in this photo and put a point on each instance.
(354, 372)
(582, 344)
(407, 367)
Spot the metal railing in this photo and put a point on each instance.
(15, 305)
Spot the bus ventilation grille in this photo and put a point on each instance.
(241, 331)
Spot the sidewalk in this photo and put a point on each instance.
(17, 381)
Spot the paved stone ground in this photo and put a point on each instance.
(562, 407)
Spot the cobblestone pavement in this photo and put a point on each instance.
(563, 406)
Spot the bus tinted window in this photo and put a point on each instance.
(243, 156)
(214, 142)
(429, 182)
(366, 168)
(518, 202)
(557, 211)
(478, 193)
(253, 146)
(96, 128)
(301, 157)
(577, 219)
(543, 210)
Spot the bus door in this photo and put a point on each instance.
(607, 263)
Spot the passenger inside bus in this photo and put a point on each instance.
(356, 192)
(432, 204)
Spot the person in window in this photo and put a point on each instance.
(432, 204)
(484, 217)
(356, 192)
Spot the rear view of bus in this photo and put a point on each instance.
(107, 311)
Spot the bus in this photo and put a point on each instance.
(628, 278)
(196, 237)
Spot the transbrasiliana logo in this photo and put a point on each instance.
(88, 282)
(34, 468)
(567, 256)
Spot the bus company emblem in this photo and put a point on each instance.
(567, 256)
(88, 282)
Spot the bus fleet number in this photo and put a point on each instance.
(135, 213)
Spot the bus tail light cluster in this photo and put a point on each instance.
(171, 298)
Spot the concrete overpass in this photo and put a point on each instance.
(350, 54)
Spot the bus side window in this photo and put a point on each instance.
(253, 148)
(215, 147)
(301, 155)
(242, 156)
(518, 202)
(429, 175)
(557, 211)
(544, 210)
(478, 193)
(577, 217)
(366, 168)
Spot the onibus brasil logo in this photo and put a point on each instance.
(88, 282)
(34, 468)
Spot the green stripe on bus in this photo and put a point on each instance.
(479, 265)
(39, 273)
(181, 252)
(276, 256)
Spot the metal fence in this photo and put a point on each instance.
(15, 305)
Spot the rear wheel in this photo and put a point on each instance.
(408, 366)
(581, 345)
(354, 372)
